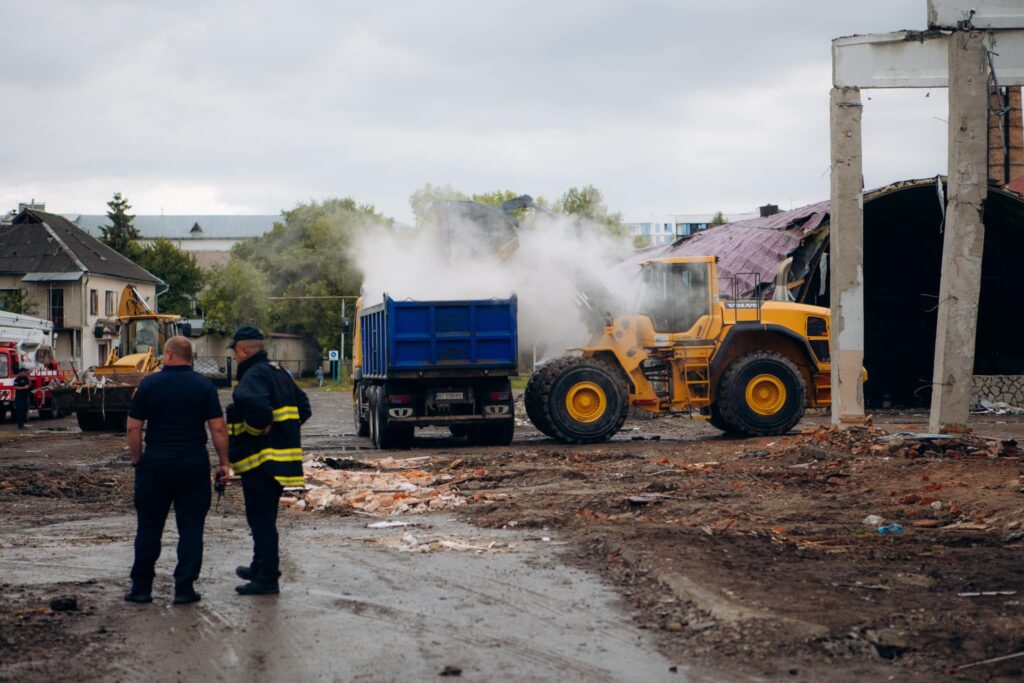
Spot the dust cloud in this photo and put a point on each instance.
(559, 264)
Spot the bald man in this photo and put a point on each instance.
(176, 405)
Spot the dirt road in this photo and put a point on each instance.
(671, 553)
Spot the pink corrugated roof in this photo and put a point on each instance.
(756, 245)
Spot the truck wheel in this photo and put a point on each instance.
(493, 434)
(459, 431)
(583, 400)
(362, 425)
(762, 394)
(51, 411)
(371, 407)
(390, 436)
(90, 421)
(533, 397)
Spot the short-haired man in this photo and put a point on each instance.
(264, 421)
(22, 393)
(177, 405)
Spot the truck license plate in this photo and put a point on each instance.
(450, 396)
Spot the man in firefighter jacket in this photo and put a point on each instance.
(265, 448)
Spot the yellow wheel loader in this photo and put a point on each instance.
(101, 397)
(747, 366)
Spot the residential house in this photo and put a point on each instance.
(71, 279)
(666, 228)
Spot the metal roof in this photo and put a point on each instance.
(72, 276)
(186, 227)
(39, 242)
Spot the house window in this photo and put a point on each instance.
(668, 227)
(94, 302)
(108, 303)
(57, 307)
(645, 228)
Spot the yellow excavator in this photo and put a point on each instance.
(102, 396)
(748, 366)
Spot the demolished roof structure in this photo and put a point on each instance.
(903, 224)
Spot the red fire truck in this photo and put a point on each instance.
(27, 342)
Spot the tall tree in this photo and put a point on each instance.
(176, 268)
(716, 220)
(306, 255)
(236, 294)
(121, 234)
(587, 202)
(421, 199)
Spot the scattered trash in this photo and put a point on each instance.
(64, 604)
(978, 594)
(450, 670)
(891, 530)
(409, 543)
(872, 520)
(392, 488)
(388, 525)
(986, 407)
(936, 505)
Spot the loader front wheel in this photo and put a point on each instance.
(581, 400)
(762, 394)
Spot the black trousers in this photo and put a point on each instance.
(21, 407)
(185, 482)
(262, 496)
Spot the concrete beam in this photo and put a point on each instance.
(964, 236)
(981, 14)
(846, 257)
(917, 59)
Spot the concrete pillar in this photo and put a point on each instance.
(964, 231)
(846, 258)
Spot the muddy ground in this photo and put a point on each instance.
(670, 553)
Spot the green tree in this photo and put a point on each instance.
(236, 294)
(421, 199)
(120, 235)
(641, 241)
(178, 269)
(305, 255)
(588, 203)
(17, 301)
(716, 220)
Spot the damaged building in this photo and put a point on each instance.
(786, 256)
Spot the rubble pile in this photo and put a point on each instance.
(873, 441)
(383, 487)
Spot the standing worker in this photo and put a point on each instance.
(22, 392)
(320, 376)
(176, 404)
(264, 422)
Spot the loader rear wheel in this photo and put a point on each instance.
(581, 400)
(762, 394)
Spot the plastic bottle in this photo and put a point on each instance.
(891, 530)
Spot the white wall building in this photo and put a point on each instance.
(208, 238)
(665, 228)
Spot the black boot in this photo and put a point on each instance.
(185, 594)
(140, 593)
(244, 573)
(259, 588)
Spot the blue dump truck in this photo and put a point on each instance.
(446, 363)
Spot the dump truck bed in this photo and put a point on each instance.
(439, 338)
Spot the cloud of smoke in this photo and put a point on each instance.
(559, 262)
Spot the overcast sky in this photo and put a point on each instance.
(250, 107)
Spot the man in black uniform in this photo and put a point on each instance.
(177, 404)
(22, 392)
(264, 418)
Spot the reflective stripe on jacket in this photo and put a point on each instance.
(264, 418)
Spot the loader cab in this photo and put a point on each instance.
(675, 293)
